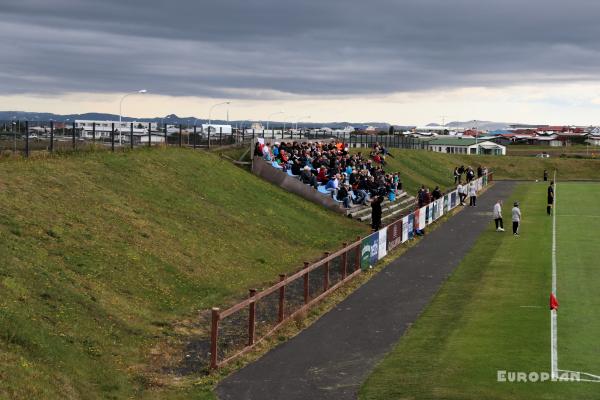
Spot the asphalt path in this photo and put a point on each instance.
(332, 357)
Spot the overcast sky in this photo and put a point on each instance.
(380, 60)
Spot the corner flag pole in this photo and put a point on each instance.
(553, 312)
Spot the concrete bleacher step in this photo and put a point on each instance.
(389, 208)
(398, 212)
(396, 208)
(360, 211)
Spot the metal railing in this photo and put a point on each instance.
(238, 329)
(29, 136)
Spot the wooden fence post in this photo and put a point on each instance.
(326, 273)
(180, 135)
(344, 265)
(281, 299)
(357, 260)
(251, 318)
(26, 138)
(306, 284)
(112, 137)
(52, 135)
(214, 337)
(73, 135)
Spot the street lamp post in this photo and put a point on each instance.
(291, 118)
(212, 107)
(269, 118)
(142, 91)
(299, 118)
(476, 136)
(14, 136)
(210, 113)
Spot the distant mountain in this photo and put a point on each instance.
(171, 119)
(484, 125)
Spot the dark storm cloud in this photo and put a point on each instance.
(239, 48)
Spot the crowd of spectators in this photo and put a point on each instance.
(469, 173)
(330, 168)
(355, 178)
(425, 197)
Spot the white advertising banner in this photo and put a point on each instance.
(404, 229)
(382, 243)
(422, 217)
(439, 208)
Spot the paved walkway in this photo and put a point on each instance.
(331, 358)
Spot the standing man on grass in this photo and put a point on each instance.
(550, 198)
(498, 216)
(516, 218)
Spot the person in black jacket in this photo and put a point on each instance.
(258, 150)
(437, 193)
(456, 176)
(296, 170)
(550, 198)
(344, 196)
(308, 178)
(376, 213)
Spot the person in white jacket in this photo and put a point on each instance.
(498, 216)
(516, 218)
(462, 193)
(472, 195)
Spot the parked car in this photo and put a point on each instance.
(543, 155)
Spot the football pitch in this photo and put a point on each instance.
(487, 333)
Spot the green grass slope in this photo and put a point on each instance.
(102, 254)
(492, 314)
(419, 167)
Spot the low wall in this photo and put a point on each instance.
(265, 170)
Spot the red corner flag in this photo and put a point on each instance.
(553, 302)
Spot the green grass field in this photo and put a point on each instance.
(492, 314)
(106, 260)
(418, 167)
(568, 151)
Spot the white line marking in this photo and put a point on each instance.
(579, 216)
(553, 316)
(582, 373)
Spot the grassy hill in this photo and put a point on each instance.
(429, 168)
(105, 256)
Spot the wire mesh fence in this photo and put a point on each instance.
(237, 329)
(25, 137)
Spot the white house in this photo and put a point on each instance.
(548, 140)
(347, 129)
(217, 129)
(103, 129)
(433, 130)
(462, 145)
(154, 139)
(593, 140)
